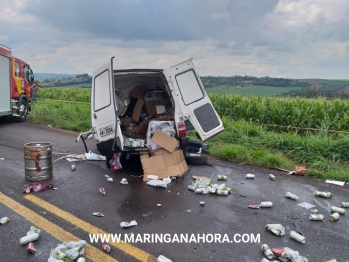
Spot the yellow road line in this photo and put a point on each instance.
(91, 229)
(91, 252)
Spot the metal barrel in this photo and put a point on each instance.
(38, 161)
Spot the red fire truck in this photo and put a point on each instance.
(16, 79)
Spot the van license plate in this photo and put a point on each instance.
(106, 130)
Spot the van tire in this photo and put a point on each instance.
(196, 159)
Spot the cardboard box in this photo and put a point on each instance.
(163, 164)
(151, 107)
(138, 92)
(165, 141)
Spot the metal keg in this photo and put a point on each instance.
(38, 161)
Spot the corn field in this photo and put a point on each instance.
(319, 113)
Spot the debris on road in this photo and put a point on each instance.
(31, 249)
(338, 183)
(288, 254)
(316, 217)
(297, 237)
(71, 158)
(109, 179)
(250, 176)
(101, 191)
(106, 248)
(93, 156)
(98, 214)
(200, 186)
(291, 196)
(115, 163)
(314, 211)
(306, 205)
(272, 177)
(299, 230)
(202, 178)
(157, 183)
(36, 187)
(299, 170)
(81, 259)
(4, 220)
(72, 167)
(29, 238)
(267, 251)
(266, 204)
(124, 181)
(334, 217)
(277, 229)
(158, 205)
(202, 203)
(68, 251)
(222, 177)
(253, 206)
(2, 158)
(323, 194)
(162, 258)
(126, 224)
(339, 210)
(344, 204)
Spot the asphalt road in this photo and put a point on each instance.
(65, 214)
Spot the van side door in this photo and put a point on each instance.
(104, 111)
(194, 102)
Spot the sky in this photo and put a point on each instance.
(275, 38)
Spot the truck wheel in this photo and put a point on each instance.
(22, 111)
(196, 159)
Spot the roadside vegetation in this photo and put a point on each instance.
(264, 131)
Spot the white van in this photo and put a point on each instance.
(114, 98)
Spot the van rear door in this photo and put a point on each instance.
(194, 102)
(104, 111)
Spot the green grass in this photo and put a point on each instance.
(252, 90)
(84, 85)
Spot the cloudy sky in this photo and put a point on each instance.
(276, 38)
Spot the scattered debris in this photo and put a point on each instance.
(98, 214)
(242, 195)
(4, 220)
(29, 238)
(124, 181)
(306, 205)
(31, 249)
(338, 183)
(344, 204)
(93, 156)
(334, 217)
(272, 177)
(266, 204)
(288, 254)
(115, 163)
(200, 186)
(339, 210)
(250, 176)
(291, 195)
(68, 251)
(316, 217)
(267, 251)
(109, 179)
(72, 167)
(106, 248)
(332, 260)
(253, 206)
(299, 170)
(2, 158)
(323, 194)
(222, 177)
(81, 259)
(158, 205)
(162, 258)
(202, 178)
(277, 229)
(202, 203)
(157, 183)
(314, 211)
(126, 224)
(36, 187)
(71, 158)
(297, 237)
(265, 260)
(101, 191)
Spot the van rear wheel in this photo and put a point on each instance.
(196, 159)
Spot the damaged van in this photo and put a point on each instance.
(124, 102)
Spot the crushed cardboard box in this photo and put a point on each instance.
(163, 164)
(165, 141)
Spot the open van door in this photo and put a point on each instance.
(105, 115)
(194, 102)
